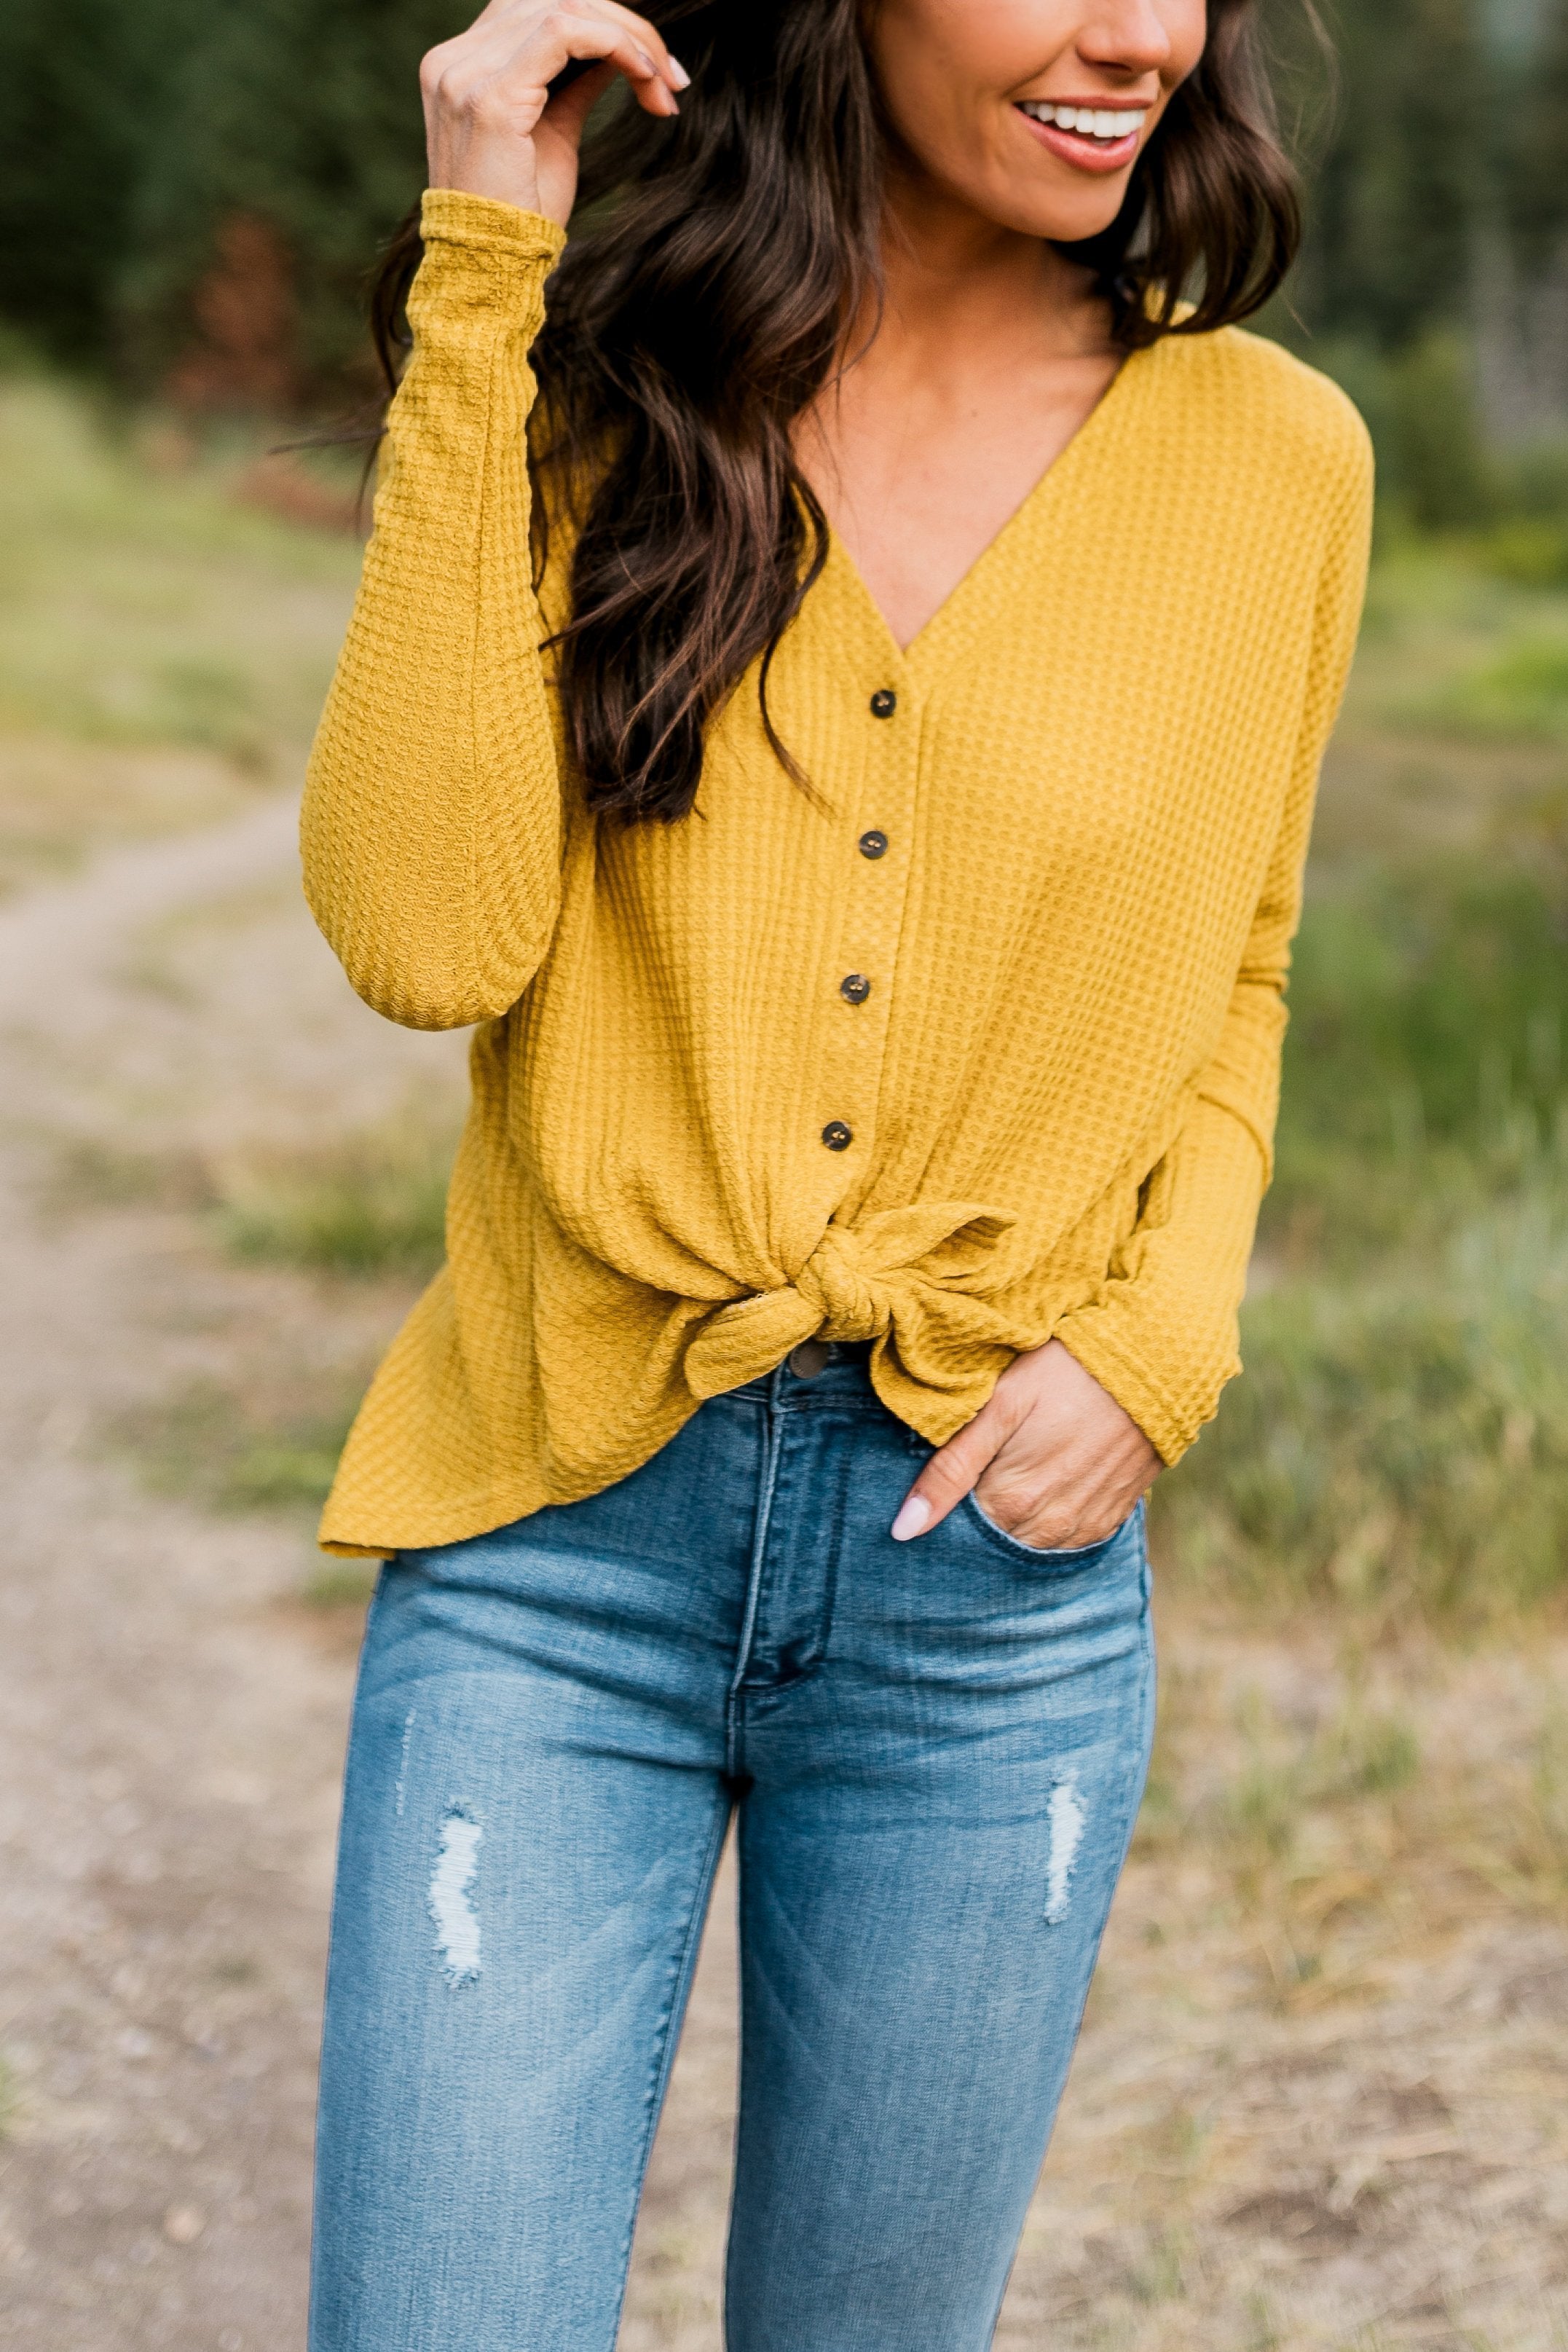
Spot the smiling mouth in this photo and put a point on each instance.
(1106, 126)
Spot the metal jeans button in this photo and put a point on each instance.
(811, 1356)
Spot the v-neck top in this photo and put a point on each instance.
(974, 1045)
(840, 555)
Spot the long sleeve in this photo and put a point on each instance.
(432, 827)
(1162, 1335)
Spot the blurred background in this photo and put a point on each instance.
(1320, 2099)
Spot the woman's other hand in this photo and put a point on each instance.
(1053, 1459)
(493, 125)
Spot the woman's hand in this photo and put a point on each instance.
(1053, 1459)
(492, 126)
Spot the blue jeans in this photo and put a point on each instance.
(936, 1751)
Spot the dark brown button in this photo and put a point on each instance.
(856, 987)
(884, 702)
(837, 1136)
(873, 845)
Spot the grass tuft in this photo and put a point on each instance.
(366, 1204)
(234, 1451)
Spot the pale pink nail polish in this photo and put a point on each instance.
(679, 75)
(913, 1514)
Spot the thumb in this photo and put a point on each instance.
(952, 1473)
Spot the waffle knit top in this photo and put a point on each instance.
(1060, 835)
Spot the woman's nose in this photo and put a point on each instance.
(1128, 35)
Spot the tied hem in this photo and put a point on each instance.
(861, 1282)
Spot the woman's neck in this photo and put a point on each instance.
(955, 283)
(986, 356)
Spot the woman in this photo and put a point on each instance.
(874, 902)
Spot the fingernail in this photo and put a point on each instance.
(678, 73)
(914, 1512)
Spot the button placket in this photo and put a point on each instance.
(878, 854)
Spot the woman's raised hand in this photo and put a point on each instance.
(493, 126)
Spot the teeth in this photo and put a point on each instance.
(1094, 122)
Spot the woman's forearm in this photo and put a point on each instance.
(431, 825)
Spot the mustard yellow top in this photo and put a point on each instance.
(1060, 836)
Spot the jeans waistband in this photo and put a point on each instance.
(819, 1371)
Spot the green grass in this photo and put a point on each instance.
(1400, 1438)
(165, 645)
(236, 1450)
(368, 1204)
(142, 603)
(1401, 1435)
(1457, 638)
(1523, 691)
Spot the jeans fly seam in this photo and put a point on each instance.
(753, 1587)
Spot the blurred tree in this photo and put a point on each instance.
(196, 194)
(1535, 163)
(1398, 163)
(300, 121)
(80, 96)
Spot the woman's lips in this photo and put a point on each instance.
(1085, 154)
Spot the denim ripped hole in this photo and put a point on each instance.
(1066, 1816)
(456, 1921)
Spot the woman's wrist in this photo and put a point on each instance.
(464, 217)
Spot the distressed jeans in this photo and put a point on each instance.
(935, 1751)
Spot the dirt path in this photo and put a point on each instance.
(172, 1723)
(168, 1747)
(1320, 2098)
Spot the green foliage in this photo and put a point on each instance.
(1532, 183)
(1528, 549)
(370, 1203)
(1401, 1436)
(133, 135)
(83, 97)
(306, 114)
(1398, 167)
(1430, 1002)
(1434, 469)
(130, 134)
(1524, 692)
(1402, 1433)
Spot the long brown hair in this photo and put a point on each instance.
(715, 264)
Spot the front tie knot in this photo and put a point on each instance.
(857, 1284)
(851, 1303)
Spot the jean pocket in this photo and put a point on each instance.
(1074, 1555)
